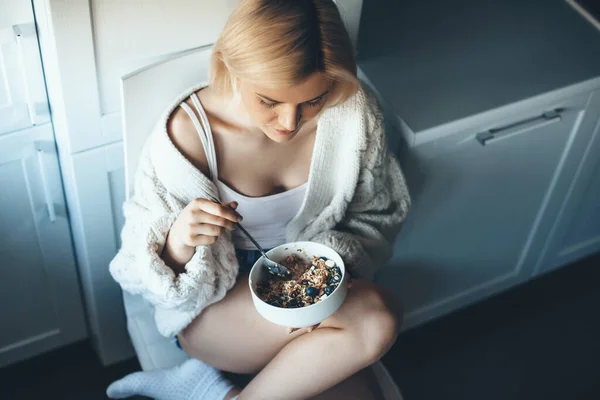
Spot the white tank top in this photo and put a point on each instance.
(266, 217)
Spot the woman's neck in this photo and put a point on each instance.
(228, 113)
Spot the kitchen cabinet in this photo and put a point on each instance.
(97, 177)
(581, 234)
(575, 232)
(22, 92)
(39, 290)
(469, 73)
(478, 197)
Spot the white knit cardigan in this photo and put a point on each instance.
(355, 200)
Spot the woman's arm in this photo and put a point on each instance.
(364, 237)
(139, 266)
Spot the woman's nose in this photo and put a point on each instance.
(289, 117)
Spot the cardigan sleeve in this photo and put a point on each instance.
(138, 266)
(364, 237)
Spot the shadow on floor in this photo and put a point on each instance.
(540, 340)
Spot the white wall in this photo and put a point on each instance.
(14, 12)
(126, 32)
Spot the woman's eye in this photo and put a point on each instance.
(315, 103)
(268, 105)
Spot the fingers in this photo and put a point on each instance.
(203, 221)
(205, 234)
(207, 230)
(219, 210)
(312, 328)
(202, 235)
(215, 214)
(204, 218)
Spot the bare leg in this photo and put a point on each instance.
(232, 336)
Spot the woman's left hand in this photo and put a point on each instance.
(312, 328)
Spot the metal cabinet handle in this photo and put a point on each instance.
(47, 193)
(495, 134)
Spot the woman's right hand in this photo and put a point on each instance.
(200, 223)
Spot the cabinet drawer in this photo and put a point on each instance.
(527, 120)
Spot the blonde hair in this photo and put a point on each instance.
(275, 43)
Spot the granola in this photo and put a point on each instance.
(308, 283)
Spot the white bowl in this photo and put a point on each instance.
(303, 316)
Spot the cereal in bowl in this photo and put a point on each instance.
(308, 283)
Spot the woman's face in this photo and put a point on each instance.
(281, 112)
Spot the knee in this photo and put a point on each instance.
(382, 322)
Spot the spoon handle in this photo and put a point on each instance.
(249, 236)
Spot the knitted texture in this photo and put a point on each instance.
(189, 381)
(355, 200)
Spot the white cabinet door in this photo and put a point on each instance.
(39, 292)
(478, 197)
(22, 90)
(98, 178)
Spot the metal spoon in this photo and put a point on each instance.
(273, 267)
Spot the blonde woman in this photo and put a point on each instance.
(286, 138)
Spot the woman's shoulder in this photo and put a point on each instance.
(174, 133)
(362, 112)
(166, 159)
(363, 105)
(184, 136)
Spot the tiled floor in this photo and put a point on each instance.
(537, 341)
